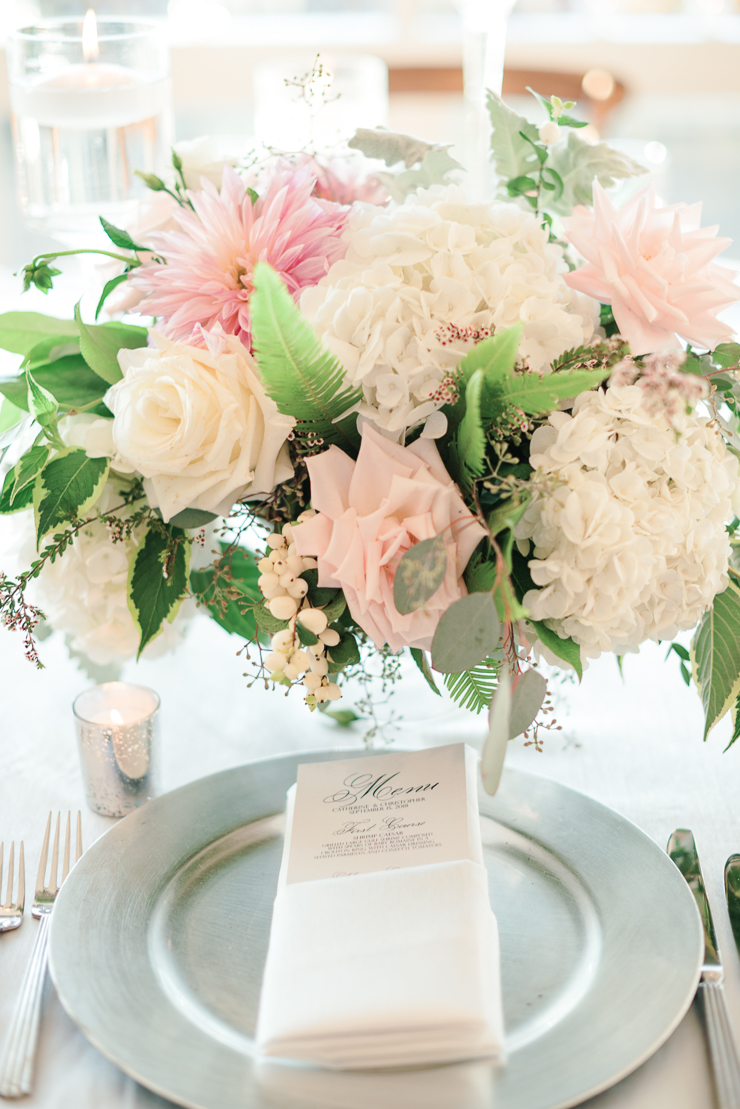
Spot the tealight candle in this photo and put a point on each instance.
(90, 104)
(116, 731)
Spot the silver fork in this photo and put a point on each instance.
(19, 1052)
(11, 913)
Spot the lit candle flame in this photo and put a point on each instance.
(90, 47)
(116, 717)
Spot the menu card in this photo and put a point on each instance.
(384, 812)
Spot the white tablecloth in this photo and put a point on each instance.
(635, 746)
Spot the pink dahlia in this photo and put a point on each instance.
(655, 267)
(211, 257)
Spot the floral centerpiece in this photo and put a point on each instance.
(485, 432)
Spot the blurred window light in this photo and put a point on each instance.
(656, 153)
(598, 84)
(199, 17)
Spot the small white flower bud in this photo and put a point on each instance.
(275, 661)
(265, 566)
(298, 589)
(291, 671)
(333, 692)
(282, 608)
(320, 666)
(549, 133)
(330, 637)
(276, 541)
(313, 619)
(301, 660)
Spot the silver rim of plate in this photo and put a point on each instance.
(159, 936)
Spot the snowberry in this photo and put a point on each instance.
(275, 661)
(282, 608)
(333, 692)
(309, 563)
(298, 589)
(313, 619)
(549, 133)
(301, 660)
(312, 682)
(265, 566)
(320, 666)
(330, 637)
(275, 541)
(283, 640)
(295, 564)
(268, 581)
(291, 671)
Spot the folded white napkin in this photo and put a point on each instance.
(386, 969)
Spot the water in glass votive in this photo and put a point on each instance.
(79, 137)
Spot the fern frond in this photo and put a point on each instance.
(473, 689)
(537, 395)
(495, 356)
(305, 380)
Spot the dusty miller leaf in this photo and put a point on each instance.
(419, 574)
(512, 155)
(578, 163)
(434, 170)
(391, 147)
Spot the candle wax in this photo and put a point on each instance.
(93, 95)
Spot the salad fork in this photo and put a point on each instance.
(19, 1052)
(11, 912)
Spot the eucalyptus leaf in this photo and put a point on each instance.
(421, 660)
(192, 518)
(726, 355)
(527, 696)
(715, 656)
(419, 574)
(467, 632)
(499, 728)
(158, 580)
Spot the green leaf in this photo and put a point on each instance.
(319, 598)
(13, 421)
(511, 153)
(469, 445)
(735, 723)
(520, 186)
(69, 380)
(100, 343)
(26, 469)
(473, 689)
(726, 355)
(566, 649)
(307, 638)
(21, 331)
(158, 580)
(52, 349)
(527, 696)
(191, 518)
(67, 488)
(305, 381)
(419, 574)
(496, 357)
(467, 632)
(41, 403)
(236, 616)
(335, 608)
(715, 656)
(578, 163)
(508, 514)
(266, 621)
(120, 237)
(108, 289)
(499, 728)
(24, 499)
(346, 653)
(569, 121)
(421, 660)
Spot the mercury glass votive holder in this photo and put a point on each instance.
(117, 733)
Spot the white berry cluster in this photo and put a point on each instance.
(285, 592)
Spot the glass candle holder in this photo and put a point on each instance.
(117, 730)
(90, 104)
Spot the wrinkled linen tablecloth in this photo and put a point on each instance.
(635, 746)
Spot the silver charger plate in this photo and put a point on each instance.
(160, 933)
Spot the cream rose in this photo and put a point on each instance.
(198, 425)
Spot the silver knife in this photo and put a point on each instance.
(718, 1026)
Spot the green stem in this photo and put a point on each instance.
(65, 253)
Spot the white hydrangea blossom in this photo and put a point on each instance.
(423, 280)
(83, 593)
(628, 521)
